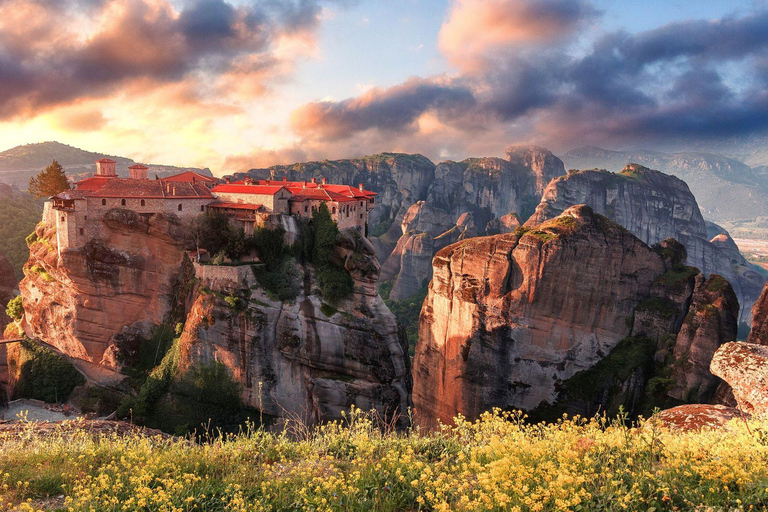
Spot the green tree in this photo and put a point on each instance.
(49, 182)
(326, 231)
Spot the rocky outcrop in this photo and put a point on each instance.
(744, 366)
(86, 303)
(469, 198)
(695, 417)
(302, 358)
(577, 312)
(710, 321)
(759, 333)
(726, 189)
(654, 206)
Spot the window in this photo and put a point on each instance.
(361, 215)
(202, 208)
(361, 203)
(82, 231)
(103, 202)
(122, 202)
(62, 219)
(180, 207)
(306, 209)
(143, 203)
(334, 210)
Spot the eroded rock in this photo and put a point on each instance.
(744, 366)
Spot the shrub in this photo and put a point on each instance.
(335, 283)
(15, 309)
(44, 375)
(153, 388)
(271, 247)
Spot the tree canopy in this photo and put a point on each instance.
(49, 182)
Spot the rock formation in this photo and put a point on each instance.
(469, 198)
(759, 333)
(654, 206)
(121, 283)
(577, 313)
(303, 358)
(744, 366)
(422, 207)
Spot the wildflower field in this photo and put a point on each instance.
(498, 463)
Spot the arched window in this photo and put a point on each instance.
(202, 208)
(143, 203)
(103, 202)
(122, 202)
(180, 207)
(334, 210)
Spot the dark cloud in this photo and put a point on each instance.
(47, 62)
(392, 109)
(679, 82)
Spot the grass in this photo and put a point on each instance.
(677, 276)
(498, 463)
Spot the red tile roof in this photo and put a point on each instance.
(189, 175)
(101, 186)
(138, 166)
(241, 188)
(106, 161)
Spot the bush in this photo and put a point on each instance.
(15, 309)
(46, 376)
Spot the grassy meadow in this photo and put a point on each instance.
(497, 463)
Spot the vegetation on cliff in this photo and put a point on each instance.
(498, 463)
(44, 375)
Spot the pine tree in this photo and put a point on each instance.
(49, 182)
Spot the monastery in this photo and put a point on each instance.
(248, 203)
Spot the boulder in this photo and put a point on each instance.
(744, 366)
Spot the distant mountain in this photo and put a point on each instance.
(18, 164)
(728, 191)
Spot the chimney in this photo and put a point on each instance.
(138, 172)
(313, 179)
(324, 181)
(285, 178)
(194, 180)
(305, 184)
(360, 186)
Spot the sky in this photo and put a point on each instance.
(236, 84)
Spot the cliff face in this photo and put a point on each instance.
(85, 302)
(302, 358)
(654, 206)
(467, 199)
(759, 333)
(513, 320)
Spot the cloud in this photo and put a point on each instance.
(394, 109)
(55, 53)
(264, 157)
(477, 31)
(669, 85)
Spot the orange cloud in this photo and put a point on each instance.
(477, 31)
